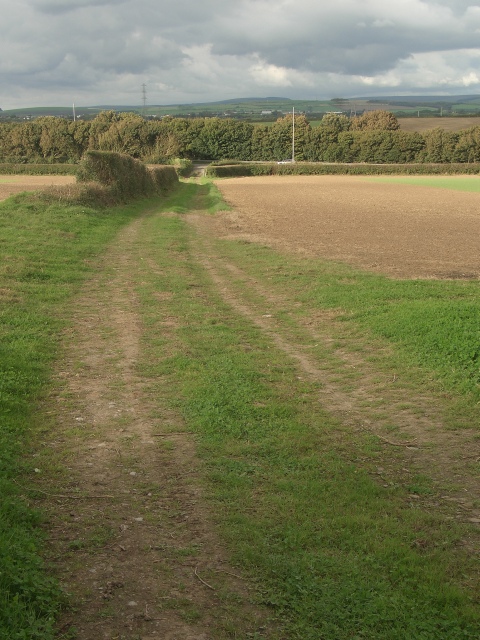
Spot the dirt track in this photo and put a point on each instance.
(140, 552)
(401, 230)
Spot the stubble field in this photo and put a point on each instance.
(403, 230)
(11, 185)
(449, 124)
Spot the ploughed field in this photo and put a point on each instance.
(10, 185)
(448, 123)
(379, 224)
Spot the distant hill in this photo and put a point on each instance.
(424, 99)
(270, 108)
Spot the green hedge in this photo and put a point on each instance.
(124, 177)
(14, 168)
(314, 168)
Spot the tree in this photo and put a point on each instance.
(99, 125)
(24, 140)
(56, 141)
(281, 137)
(221, 139)
(439, 146)
(127, 133)
(323, 140)
(261, 143)
(468, 145)
(80, 132)
(372, 120)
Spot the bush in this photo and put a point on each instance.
(105, 179)
(124, 177)
(14, 168)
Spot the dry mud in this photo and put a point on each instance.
(402, 230)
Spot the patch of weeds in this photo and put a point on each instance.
(76, 545)
(187, 609)
(420, 485)
(100, 536)
(165, 445)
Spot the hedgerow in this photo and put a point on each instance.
(106, 179)
(374, 137)
(319, 168)
(37, 169)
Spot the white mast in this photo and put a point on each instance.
(293, 134)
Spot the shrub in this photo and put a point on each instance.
(124, 177)
(15, 168)
(310, 168)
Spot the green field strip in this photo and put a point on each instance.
(454, 183)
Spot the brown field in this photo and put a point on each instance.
(10, 185)
(449, 124)
(401, 230)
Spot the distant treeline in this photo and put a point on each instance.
(373, 137)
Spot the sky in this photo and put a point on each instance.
(98, 52)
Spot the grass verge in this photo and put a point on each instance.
(336, 554)
(47, 251)
(432, 324)
(457, 183)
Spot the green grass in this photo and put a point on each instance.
(13, 168)
(45, 255)
(334, 553)
(197, 196)
(460, 183)
(433, 325)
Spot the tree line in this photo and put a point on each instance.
(374, 137)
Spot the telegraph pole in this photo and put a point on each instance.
(293, 134)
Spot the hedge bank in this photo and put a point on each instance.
(320, 168)
(106, 179)
(37, 169)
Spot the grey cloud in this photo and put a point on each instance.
(205, 50)
(357, 40)
(67, 6)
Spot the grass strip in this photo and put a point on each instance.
(457, 183)
(46, 253)
(433, 324)
(336, 554)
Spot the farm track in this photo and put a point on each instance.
(134, 551)
(138, 550)
(370, 400)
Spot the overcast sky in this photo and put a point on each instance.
(93, 52)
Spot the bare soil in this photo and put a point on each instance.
(449, 124)
(403, 230)
(11, 185)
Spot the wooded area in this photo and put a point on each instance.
(374, 137)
